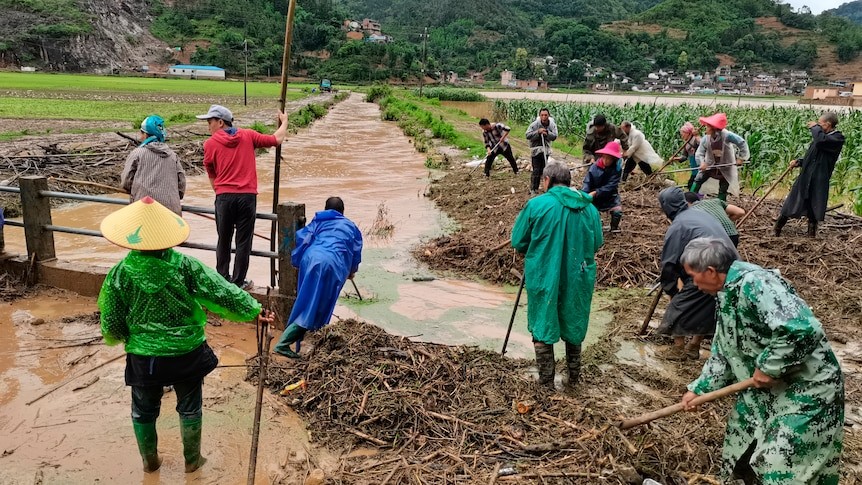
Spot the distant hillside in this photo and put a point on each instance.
(849, 10)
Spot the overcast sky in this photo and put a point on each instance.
(816, 6)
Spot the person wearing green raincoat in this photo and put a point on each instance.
(788, 429)
(560, 232)
(153, 302)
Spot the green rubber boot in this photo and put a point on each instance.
(191, 429)
(148, 444)
(291, 334)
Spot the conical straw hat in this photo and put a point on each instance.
(145, 225)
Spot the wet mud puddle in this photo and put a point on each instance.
(353, 154)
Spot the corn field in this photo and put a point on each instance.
(775, 135)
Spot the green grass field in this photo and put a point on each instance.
(76, 109)
(91, 83)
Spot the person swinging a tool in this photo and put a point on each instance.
(559, 232)
(789, 428)
(718, 155)
(328, 252)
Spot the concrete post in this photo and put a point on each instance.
(291, 218)
(37, 214)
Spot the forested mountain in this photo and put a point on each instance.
(487, 36)
(850, 10)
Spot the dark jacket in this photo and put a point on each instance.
(811, 189)
(595, 141)
(605, 182)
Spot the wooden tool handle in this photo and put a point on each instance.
(710, 396)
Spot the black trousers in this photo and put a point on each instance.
(507, 153)
(630, 166)
(234, 212)
(538, 163)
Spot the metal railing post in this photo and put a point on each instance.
(36, 211)
(291, 218)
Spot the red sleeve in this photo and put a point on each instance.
(209, 159)
(262, 141)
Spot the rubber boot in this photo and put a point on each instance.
(291, 334)
(545, 364)
(812, 228)
(573, 363)
(722, 196)
(779, 225)
(148, 444)
(190, 430)
(616, 217)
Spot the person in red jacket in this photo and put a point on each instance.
(229, 160)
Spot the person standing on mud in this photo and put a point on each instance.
(599, 133)
(691, 312)
(640, 152)
(230, 162)
(810, 192)
(540, 134)
(153, 302)
(328, 252)
(789, 428)
(603, 180)
(153, 169)
(559, 232)
(718, 155)
(495, 136)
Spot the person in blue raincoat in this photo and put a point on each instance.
(328, 252)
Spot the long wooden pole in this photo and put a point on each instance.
(49, 391)
(766, 194)
(670, 410)
(651, 311)
(282, 101)
(514, 310)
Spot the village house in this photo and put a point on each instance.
(820, 92)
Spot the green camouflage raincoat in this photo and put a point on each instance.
(797, 426)
(560, 233)
(153, 303)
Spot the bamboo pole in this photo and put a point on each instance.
(285, 65)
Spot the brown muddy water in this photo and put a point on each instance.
(85, 436)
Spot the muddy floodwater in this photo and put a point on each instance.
(84, 436)
(351, 153)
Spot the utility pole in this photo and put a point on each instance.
(424, 60)
(245, 79)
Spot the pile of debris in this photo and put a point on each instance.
(83, 167)
(444, 414)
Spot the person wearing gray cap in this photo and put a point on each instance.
(229, 160)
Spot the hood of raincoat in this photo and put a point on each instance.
(570, 197)
(229, 137)
(672, 201)
(158, 148)
(150, 271)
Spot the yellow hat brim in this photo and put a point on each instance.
(145, 226)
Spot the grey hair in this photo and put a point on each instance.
(705, 252)
(626, 123)
(558, 173)
(830, 117)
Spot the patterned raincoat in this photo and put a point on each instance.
(560, 232)
(796, 428)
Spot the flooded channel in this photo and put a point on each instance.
(374, 168)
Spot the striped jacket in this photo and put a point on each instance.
(154, 170)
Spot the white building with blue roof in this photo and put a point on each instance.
(196, 72)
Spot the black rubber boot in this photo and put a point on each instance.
(616, 217)
(779, 225)
(545, 363)
(812, 228)
(573, 363)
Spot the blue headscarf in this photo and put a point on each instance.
(154, 126)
